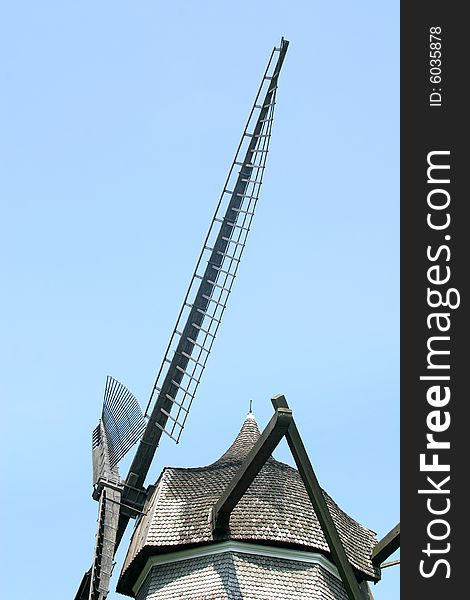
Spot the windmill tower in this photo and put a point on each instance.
(243, 498)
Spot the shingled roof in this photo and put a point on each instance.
(275, 511)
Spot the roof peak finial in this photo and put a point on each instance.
(250, 412)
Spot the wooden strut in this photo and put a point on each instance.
(386, 546)
(392, 563)
(252, 465)
(282, 424)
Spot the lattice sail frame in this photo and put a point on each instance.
(200, 317)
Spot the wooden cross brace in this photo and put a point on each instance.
(282, 424)
(386, 546)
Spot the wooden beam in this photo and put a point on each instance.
(251, 466)
(315, 493)
(366, 591)
(386, 546)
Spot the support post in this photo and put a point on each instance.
(366, 591)
(319, 505)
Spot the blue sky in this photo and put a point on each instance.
(119, 124)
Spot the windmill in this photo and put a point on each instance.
(122, 422)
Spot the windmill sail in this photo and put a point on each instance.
(105, 546)
(122, 423)
(122, 418)
(210, 286)
(120, 426)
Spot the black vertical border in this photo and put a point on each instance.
(424, 129)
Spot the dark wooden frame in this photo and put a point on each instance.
(282, 424)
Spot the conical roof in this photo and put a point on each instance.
(243, 443)
(275, 510)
